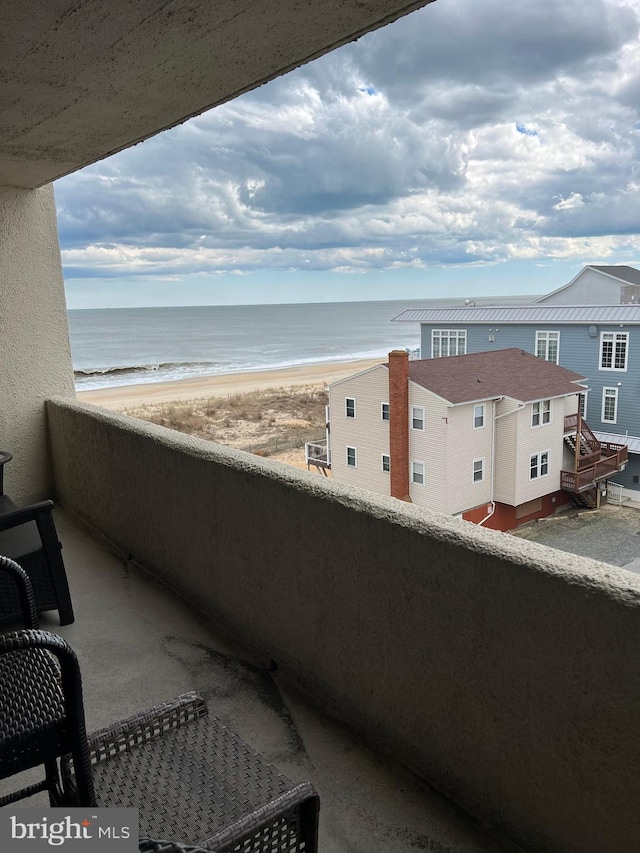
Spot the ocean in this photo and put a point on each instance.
(125, 346)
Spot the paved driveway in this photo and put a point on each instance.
(611, 534)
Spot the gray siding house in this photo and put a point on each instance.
(601, 342)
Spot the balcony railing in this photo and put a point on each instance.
(429, 636)
(613, 458)
(317, 453)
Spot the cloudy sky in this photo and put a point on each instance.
(468, 149)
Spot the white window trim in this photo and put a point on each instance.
(473, 471)
(604, 397)
(585, 395)
(613, 368)
(538, 458)
(346, 408)
(541, 413)
(460, 335)
(388, 458)
(424, 477)
(417, 409)
(484, 416)
(382, 417)
(544, 335)
(355, 456)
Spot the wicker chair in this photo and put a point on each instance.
(42, 715)
(13, 573)
(202, 784)
(28, 536)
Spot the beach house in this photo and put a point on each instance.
(500, 674)
(591, 325)
(494, 437)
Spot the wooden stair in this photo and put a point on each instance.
(585, 499)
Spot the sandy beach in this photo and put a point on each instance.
(130, 396)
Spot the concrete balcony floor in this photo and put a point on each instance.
(138, 644)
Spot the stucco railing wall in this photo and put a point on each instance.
(505, 673)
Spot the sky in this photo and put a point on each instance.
(468, 149)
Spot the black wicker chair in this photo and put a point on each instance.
(42, 716)
(194, 780)
(28, 536)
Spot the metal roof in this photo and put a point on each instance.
(523, 314)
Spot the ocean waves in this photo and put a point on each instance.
(145, 345)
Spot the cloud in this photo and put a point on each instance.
(464, 133)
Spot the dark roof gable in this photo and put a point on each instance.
(624, 273)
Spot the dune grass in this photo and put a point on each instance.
(262, 422)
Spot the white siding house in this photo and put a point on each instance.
(486, 436)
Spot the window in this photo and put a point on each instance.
(539, 465)
(582, 405)
(609, 405)
(386, 462)
(478, 416)
(417, 417)
(352, 457)
(478, 470)
(386, 412)
(548, 346)
(417, 473)
(541, 413)
(350, 407)
(448, 342)
(613, 350)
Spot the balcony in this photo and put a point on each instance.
(139, 644)
(316, 453)
(468, 656)
(595, 461)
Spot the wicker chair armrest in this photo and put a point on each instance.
(150, 845)
(303, 794)
(25, 591)
(35, 512)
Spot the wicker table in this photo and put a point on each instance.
(196, 782)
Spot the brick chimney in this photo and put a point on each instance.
(399, 423)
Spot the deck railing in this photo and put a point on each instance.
(317, 453)
(613, 457)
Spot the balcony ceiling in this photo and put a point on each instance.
(82, 79)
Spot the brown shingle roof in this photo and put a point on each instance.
(482, 375)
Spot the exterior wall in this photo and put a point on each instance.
(429, 446)
(464, 444)
(431, 637)
(532, 440)
(35, 357)
(504, 490)
(367, 432)
(507, 517)
(447, 446)
(590, 287)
